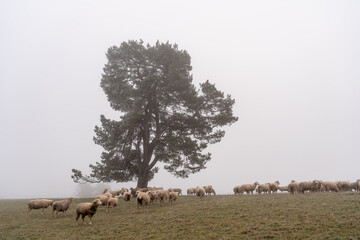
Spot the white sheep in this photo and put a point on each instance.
(293, 187)
(87, 209)
(248, 188)
(329, 186)
(38, 204)
(142, 199)
(104, 198)
(264, 188)
(237, 190)
(209, 190)
(274, 186)
(61, 206)
(162, 195)
(112, 202)
(173, 196)
(283, 188)
(200, 192)
(190, 191)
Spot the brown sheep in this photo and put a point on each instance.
(274, 186)
(61, 206)
(293, 187)
(142, 199)
(209, 190)
(237, 190)
(190, 191)
(38, 204)
(87, 209)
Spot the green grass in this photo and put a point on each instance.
(276, 216)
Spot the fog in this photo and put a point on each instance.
(292, 67)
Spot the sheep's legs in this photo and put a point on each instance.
(90, 220)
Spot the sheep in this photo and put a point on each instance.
(112, 202)
(162, 195)
(104, 198)
(39, 203)
(248, 188)
(173, 196)
(237, 190)
(264, 188)
(293, 187)
(152, 195)
(329, 186)
(274, 186)
(178, 190)
(123, 190)
(283, 188)
(127, 196)
(61, 206)
(190, 191)
(142, 199)
(209, 189)
(358, 187)
(200, 192)
(87, 209)
(305, 186)
(343, 185)
(316, 186)
(354, 186)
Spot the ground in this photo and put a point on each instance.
(276, 216)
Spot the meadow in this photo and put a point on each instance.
(275, 216)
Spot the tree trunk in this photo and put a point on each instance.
(143, 180)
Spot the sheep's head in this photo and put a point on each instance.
(96, 202)
(256, 183)
(277, 182)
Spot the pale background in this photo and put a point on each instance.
(293, 68)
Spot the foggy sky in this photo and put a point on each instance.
(293, 68)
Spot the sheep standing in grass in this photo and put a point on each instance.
(104, 198)
(178, 190)
(274, 186)
(127, 196)
(190, 191)
(152, 195)
(209, 190)
(142, 199)
(87, 209)
(283, 188)
(343, 185)
(200, 192)
(162, 195)
(264, 188)
(38, 204)
(248, 188)
(293, 187)
(305, 186)
(354, 186)
(329, 186)
(61, 206)
(111, 203)
(237, 190)
(173, 196)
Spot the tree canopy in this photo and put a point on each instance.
(164, 117)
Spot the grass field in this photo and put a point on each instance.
(276, 216)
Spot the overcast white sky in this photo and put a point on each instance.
(292, 66)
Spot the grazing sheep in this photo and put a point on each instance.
(104, 198)
(173, 196)
(274, 186)
(162, 195)
(283, 188)
(316, 186)
(123, 190)
(112, 202)
(354, 186)
(142, 199)
(190, 191)
(127, 196)
(248, 188)
(87, 209)
(133, 191)
(209, 190)
(264, 188)
(200, 192)
(329, 186)
(38, 204)
(61, 206)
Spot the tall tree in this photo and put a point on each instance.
(164, 118)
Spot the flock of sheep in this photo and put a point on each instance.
(298, 187)
(146, 196)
